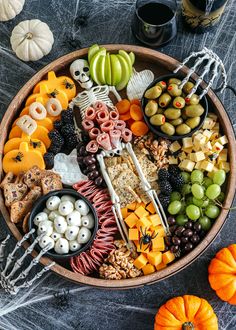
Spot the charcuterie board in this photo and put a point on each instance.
(161, 65)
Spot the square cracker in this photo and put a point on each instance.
(14, 192)
(33, 176)
(115, 170)
(125, 179)
(50, 182)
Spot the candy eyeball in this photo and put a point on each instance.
(42, 216)
(55, 236)
(74, 218)
(53, 214)
(60, 224)
(74, 246)
(71, 233)
(65, 208)
(88, 221)
(69, 198)
(82, 207)
(46, 240)
(53, 203)
(83, 235)
(45, 227)
(61, 246)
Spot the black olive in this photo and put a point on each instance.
(179, 231)
(92, 167)
(176, 240)
(189, 225)
(93, 175)
(188, 233)
(195, 239)
(98, 181)
(171, 221)
(174, 248)
(197, 226)
(184, 240)
(188, 247)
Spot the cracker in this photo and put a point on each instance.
(115, 170)
(33, 176)
(142, 194)
(14, 192)
(125, 197)
(135, 195)
(20, 178)
(125, 179)
(50, 182)
(110, 161)
(9, 178)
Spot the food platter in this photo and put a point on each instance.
(160, 65)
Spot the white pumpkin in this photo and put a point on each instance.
(31, 40)
(10, 8)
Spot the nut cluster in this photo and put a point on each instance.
(119, 264)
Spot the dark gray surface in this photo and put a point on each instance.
(88, 308)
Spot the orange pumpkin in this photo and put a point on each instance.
(186, 313)
(222, 274)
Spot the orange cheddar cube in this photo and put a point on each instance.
(155, 219)
(131, 220)
(133, 234)
(124, 212)
(160, 231)
(141, 212)
(168, 257)
(144, 223)
(161, 266)
(150, 208)
(158, 244)
(141, 261)
(155, 258)
(148, 269)
(131, 206)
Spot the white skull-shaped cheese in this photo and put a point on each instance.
(53, 214)
(45, 227)
(71, 233)
(83, 235)
(60, 224)
(74, 218)
(88, 221)
(46, 241)
(82, 207)
(55, 235)
(65, 208)
(42, 216)
(61, 246)
(74, 246)
(65, 198)
(53, 203)
(79, 70)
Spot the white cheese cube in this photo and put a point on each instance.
(198, 165)
(199, 139)
(222, 156)
(216, 127)
(188, 150)
(175, 146)
(192, 156)
(207, 147)
(172, 160)
(187, 165)
(207, 166)
(214, 137)
(207, 133)
(212, 116)
(208, 123)
(217, 147)
(182, 155)
(224, 166)
(223, 140)
(211, 174)
(187, 142)
(198, 156)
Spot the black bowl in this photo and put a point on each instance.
(155, 129)
(41, 204)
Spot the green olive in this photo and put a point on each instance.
(151, 108)
(183, 114)
(153, 92)
(172, 113)
(174, 81)
(157, 120)
(168, 129)
(195, 110)
(162, 84)
(179, 102)
(188, 87)
(194, 99)
(193, 122)
(164, 100)
(160, 110)
(177, 121)
(174, 90)
(183, 129)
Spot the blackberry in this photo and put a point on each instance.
(54, 148)
(67, 116)
(163, 174)
(49, 160)
(173, 170)
(57, 125)
(164, 200)
(165, 187)
(67, 130)
(71, 141)
(177, 181)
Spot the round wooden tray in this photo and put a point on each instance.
(160, 64)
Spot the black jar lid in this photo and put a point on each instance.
(213, 4)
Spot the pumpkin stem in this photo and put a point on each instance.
(29, 35)
(187, 326)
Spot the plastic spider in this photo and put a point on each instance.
(146, 238)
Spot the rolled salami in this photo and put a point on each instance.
(99, 105)
(87, 124)
(120, 125)
(93, 133)
(107, 126)
(92, 146)
(103, 141)
(102, 116)
(115, 136)
(114, 115)
(90, 113)
(126, 135)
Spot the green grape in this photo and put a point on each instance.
(186, 189)
(207, 182)
(197, 191)
(221, 197)
(189, 200)
(219, 177)
(205, 202)
(205, 222)
(175, 196)
(186, 176)
(212, 211)
(213, 191)
(197, 176)
(193, 212)
(183, 207)
(198, 202)
(174, 207)
(181, 219)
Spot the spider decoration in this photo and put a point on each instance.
(53, 93)
(19, 157)
(67, 84)
(62, 298)
(146, 238)
(35, 144)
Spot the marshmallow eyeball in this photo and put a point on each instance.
(74, 246)
(88, 221)
(53, 214)
(46, 240)
(61, 246)
(42, 216)
(55, 236)
(74, 218)
(60, 224)
(45, 227)
(53, 203)
(65, 208)
(82, 207)
(71, 233)
(83, 235)
(69, 198)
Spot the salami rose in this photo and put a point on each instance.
(92, 146)
(126, 135)
(120, 125)
(90, 113)
(102, 116)
(87, 124)
(107, 126)
(115, 136)
(99, 105)
(103, 140)
(94, 132)
(114, 115)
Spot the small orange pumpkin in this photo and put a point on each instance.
(222, 274)
(186, 313)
